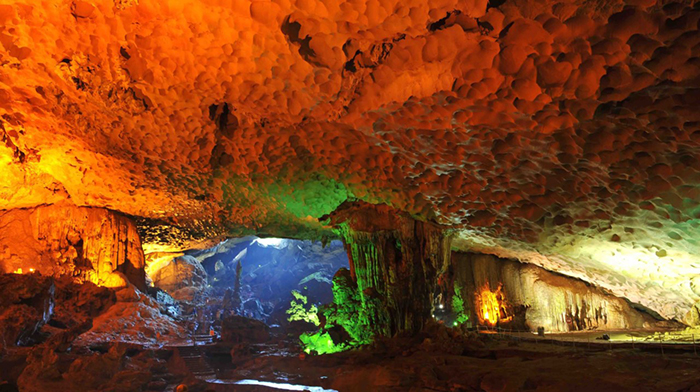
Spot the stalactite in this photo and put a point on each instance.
(89, 244)
(539, 298)
(396, 261)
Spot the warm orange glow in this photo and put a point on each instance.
(491, 306)
(20, 271)
(111, 280)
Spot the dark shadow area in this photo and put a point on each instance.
(291, 31)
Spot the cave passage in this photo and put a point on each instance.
(224, 316)
(349, 195)
(270, 270)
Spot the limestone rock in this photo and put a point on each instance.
(536, 298)
(183, 278)
(26, 304)
(89, 244)
(79, 303)
(396, 262)
(112, 371)
(136, 318)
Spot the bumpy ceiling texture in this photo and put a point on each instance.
(563, 133)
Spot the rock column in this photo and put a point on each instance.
(396, 262)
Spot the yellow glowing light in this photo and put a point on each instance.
(156, 261)
(489, 307)
(112, 280)
(492, 306)
(17, 271)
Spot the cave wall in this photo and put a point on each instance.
(539, 298)
(183, 278)
(89, 244)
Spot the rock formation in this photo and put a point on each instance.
(183, 278)
(395, 261)
(135, 317)
(61, 313)
(26, 304)
(561, 133)
(90, 244)
(537, 298)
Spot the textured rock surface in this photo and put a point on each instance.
(555, 302)
(90, 244)
(76, 307)
(396, 262)
(37, 309)
(26, 304)
(135, 318)
(120, 368)
(563, 133)
(183, 278)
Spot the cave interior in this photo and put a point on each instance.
(349, 195)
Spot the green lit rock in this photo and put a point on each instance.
(320, 343)
(460, 313)
(395, 261)
(346, 322)
(348, 311)
(298, 312)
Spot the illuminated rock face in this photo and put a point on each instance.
(543, 131)
(90, 244)
(524, 296)
(183, 278)
(396, 262)
(491, 306)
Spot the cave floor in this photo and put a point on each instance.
(661, 336)
(501, 364)
(430, 362)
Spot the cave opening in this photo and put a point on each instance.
(257, 277)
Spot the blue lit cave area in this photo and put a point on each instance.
(255, 278)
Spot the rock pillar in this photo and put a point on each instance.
(396, 262)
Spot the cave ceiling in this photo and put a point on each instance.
(563, 133)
